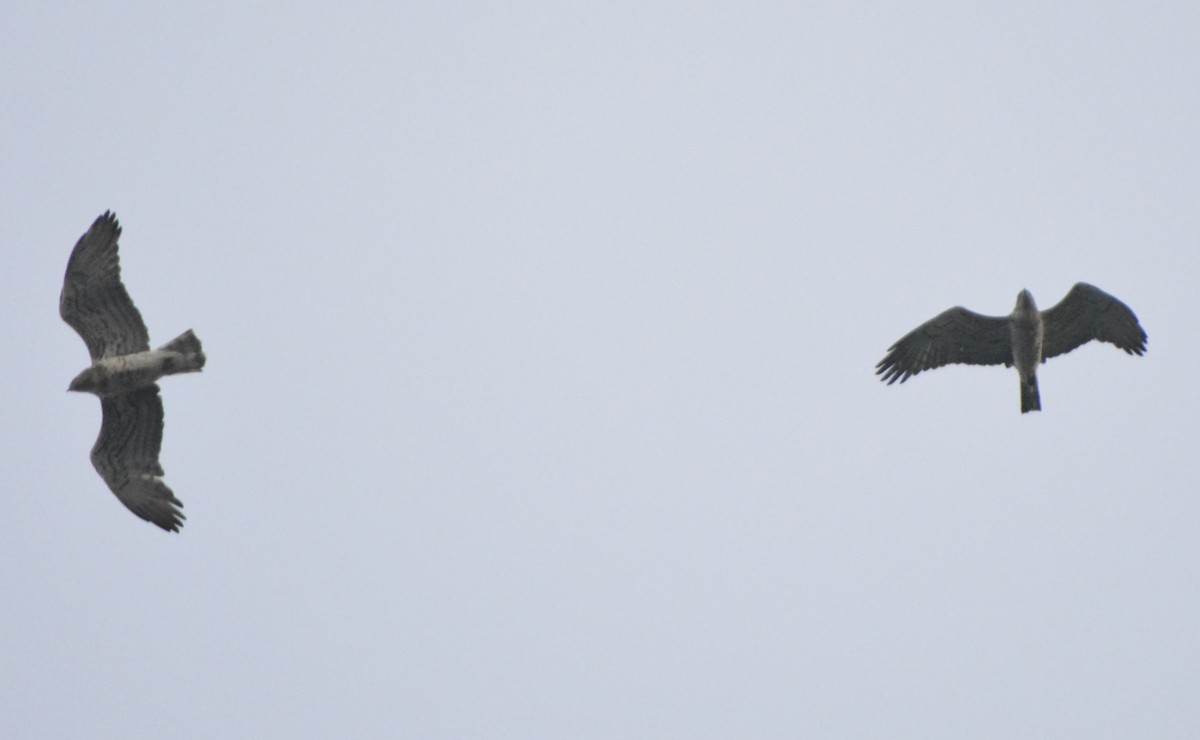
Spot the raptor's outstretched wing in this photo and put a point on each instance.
(93, 300)
(126, 456)
(953, 336)
(1088, 313)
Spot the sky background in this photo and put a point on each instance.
(540, 397)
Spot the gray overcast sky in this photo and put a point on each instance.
(540, 398)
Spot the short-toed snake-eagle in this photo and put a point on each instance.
(123, 374)
(1024, 339)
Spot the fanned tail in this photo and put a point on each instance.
(188, 347)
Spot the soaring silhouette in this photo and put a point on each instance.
(123, 374)
(1024, 339)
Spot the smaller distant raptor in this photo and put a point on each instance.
(1024, 339)
(123, 374)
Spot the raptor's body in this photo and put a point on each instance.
(1024, 339)
(123, 373)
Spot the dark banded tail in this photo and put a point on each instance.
(1030, 399)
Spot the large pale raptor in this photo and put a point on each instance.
(123, 374)
(1024, 339)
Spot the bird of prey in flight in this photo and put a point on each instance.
(1024, 339)
(123, 374)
